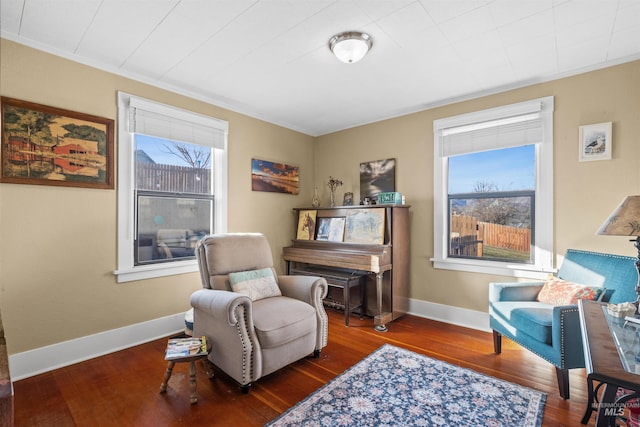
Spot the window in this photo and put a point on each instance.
(171, 186)
(493, 193)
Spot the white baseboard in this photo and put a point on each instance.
(44, 359)
(449, 314)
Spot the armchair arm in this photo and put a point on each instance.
(567, 336)
(518, 291)
(226, 319)
(221, 305)
(312, 290)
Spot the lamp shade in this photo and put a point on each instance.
(350, 47)
(625, 220)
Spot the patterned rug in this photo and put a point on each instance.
(397, 387)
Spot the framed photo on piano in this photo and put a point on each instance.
(331, 229)
(365, 226)
(306, 225)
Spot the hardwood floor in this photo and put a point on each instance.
(122, 389)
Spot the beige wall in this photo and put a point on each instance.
(58, 244)
(585, 193)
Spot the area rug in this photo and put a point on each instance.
(397, 387)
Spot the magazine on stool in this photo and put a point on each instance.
(178, 348)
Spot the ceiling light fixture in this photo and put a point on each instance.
(350, 46)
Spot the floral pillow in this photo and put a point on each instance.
(560, 292)
(256, 284)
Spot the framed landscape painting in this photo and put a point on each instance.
(274, 177)
(365, 226)
(377, 177)
(50, 146)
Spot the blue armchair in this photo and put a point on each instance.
(553, 332)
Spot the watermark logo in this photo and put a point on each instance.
(615, 409)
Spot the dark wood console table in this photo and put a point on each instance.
(612, 358)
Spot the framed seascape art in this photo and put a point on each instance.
(595, 142)
(376, 177)
(51, 146)
(331, 229)
(274, 177)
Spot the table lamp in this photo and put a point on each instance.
(625, 221)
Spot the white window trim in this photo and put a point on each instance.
(543, 251)
(126, 270)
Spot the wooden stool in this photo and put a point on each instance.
(192, 373)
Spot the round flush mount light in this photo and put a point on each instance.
(350, 46)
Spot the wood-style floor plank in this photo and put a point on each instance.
(122, 389)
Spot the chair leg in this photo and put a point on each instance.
(497, 342)
(245, 388)
(316, 353)
(563, 382)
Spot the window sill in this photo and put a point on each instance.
(157, 270)
(527, 271)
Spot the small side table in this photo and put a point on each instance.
(192, 373)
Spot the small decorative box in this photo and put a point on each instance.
(391, 198)
(621, 310)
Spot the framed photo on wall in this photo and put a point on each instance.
(378, 176)
(274, 177)
(595, 142)
(50, 146)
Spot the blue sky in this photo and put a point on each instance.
(509, 169)
(155, 148)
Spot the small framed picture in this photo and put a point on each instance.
(306, 225)
(595, 142)
(331, 229)
(348, 199)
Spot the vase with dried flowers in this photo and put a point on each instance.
(333, 184)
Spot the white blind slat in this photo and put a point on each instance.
(165, 122)
(522, 130)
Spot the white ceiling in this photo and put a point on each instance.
(269, 58)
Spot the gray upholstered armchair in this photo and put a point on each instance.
(256, 321)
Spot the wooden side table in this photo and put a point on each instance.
(192, 373)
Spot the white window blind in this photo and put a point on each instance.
(493, 129)
(492, 135)
(153, 119)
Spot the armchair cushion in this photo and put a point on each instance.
(280, 320)
(530, 317)
(256, 284)
(561, 292)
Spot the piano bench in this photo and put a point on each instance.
(342, 279)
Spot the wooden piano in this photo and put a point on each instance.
(371, 241)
